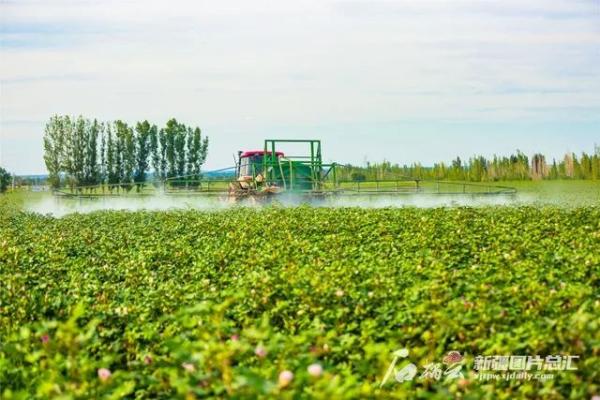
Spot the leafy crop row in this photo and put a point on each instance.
(294, 303)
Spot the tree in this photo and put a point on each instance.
(102, 172)
(585, 166)
(125, 158)
(439, 171)
(554, 172)
(569, 165)
(539, 169)
(358, 177)
(72, 149)
(457, 169)
(54, 142)
(112, 154)
(170, 133)
(76, 145)
(155, 152)
(91, 173)
(143, 136)
(163, 154)
(180, 149)
(5, 179)
(477, 169)
(191, 154)
(596, 163)
(197, 151)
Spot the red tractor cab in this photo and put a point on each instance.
(250, 163)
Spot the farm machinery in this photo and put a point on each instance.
(269, 173)
(272, 173)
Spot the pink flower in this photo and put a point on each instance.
(315, 370)
(189, 367)
(452, 357)
(260, 351)
(285, 377)
(235, 338)
(45, 338)
(104, 374)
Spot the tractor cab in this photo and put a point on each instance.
(250, 163)
(271, 171)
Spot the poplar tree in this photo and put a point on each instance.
(102, 171)
(143, 131)
(162, 138)
(88, 152)
(155, 152)
(5, 178)
(191, 155)
(53, 149)
(91, 152)
(125, 153)
(180, 149)
(171, 152)
(112, 154)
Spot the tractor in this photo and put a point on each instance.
(267, 172)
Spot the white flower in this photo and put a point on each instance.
(104, 374)
(285, 377)
(260, 351)
(189, 367)
(315, 370)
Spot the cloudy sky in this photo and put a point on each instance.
(404, 81)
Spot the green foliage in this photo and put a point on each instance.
(5, 179)
(170, 133)
(180, 141)
(88, 153)
(197, 153)
(54, 144)
(126, 153)
(91, 175)
(144, 148)
(162, 139)
(112, 155)
(175, 304)
(183, 151)
(358, 177)
(479, 169)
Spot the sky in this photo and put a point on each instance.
(404, 81)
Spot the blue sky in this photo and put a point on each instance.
(398, 80)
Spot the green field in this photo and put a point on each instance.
(193, 304)
(560, 192)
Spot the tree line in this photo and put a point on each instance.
(5, 179)
(83, 152)
(479, 169)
